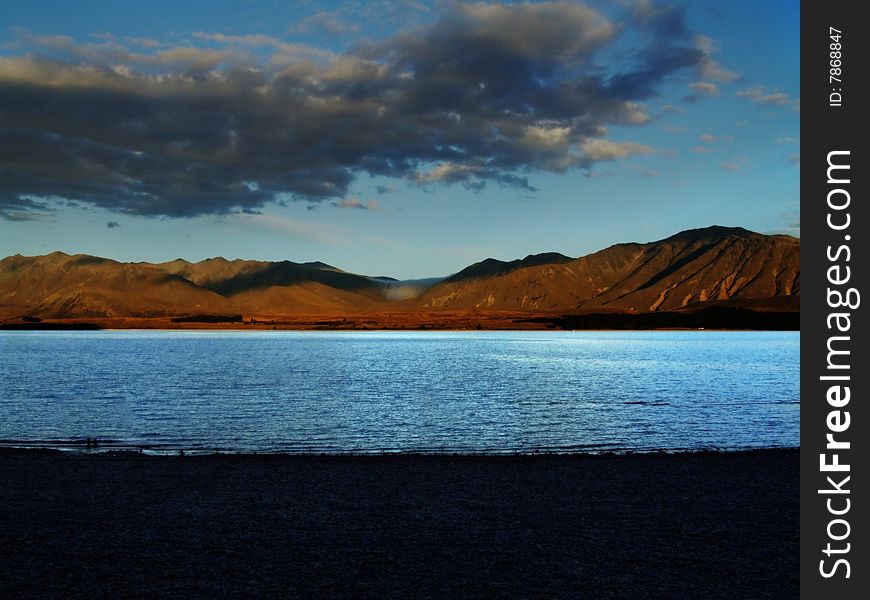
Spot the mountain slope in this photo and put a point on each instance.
(229, 277)
(714, 263)
(60, 285)
(492, 267)
(710, 265)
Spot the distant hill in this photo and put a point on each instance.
(719, 266)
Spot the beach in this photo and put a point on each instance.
(707, 524)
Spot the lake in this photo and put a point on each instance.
(371, 392)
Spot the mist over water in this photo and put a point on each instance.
(395, 391)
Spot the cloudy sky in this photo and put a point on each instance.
(403, 138)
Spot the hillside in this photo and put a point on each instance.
(59, 285)
(711, 266)
(701, 265)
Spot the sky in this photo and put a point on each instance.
(405, 139)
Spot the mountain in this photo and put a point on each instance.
(492, 267)
(280, 287)
(60, 285)
(699, 265)
(692, 268)
(229, 277)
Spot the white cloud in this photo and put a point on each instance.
(759, 94)
(701, 87)
(332, 22)
(710, 69)
(309, 231)
(599, 150)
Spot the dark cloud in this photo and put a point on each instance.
(27, 208)
(489, 93)
(112, 225)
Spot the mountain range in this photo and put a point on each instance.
(701, 267)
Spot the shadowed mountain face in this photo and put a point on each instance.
(721, 264)
(282, 287)
(232, 277)
(492, 267)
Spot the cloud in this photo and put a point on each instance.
(787, 140)
(143, 42)
(112, 224)
(707, 138)
(603, 150)
(708, 68)
(791, 220)
(795, 159)
(731, 166)
(408, 289)
(703, 88)
(759, 94)
(309, 231)
(256, 39)
(487, 93)
(27, 208)
(371, 205)
(472, 175)
(794, 226)
(328, 21)
(701, 149)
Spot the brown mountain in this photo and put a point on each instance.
(280, 287)
(60, 285)
(700, 265)
(492, 267)
(712, 265)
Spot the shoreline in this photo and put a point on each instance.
(709, 317)
(81, 449)
(711, 524)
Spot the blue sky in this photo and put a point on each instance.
(407, 139)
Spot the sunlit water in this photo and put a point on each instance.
(394, 391)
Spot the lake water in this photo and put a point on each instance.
(365, 392)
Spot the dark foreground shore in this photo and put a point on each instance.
(705, 525)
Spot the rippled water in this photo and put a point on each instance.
(395, 391)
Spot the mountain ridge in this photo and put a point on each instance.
(692, 267)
